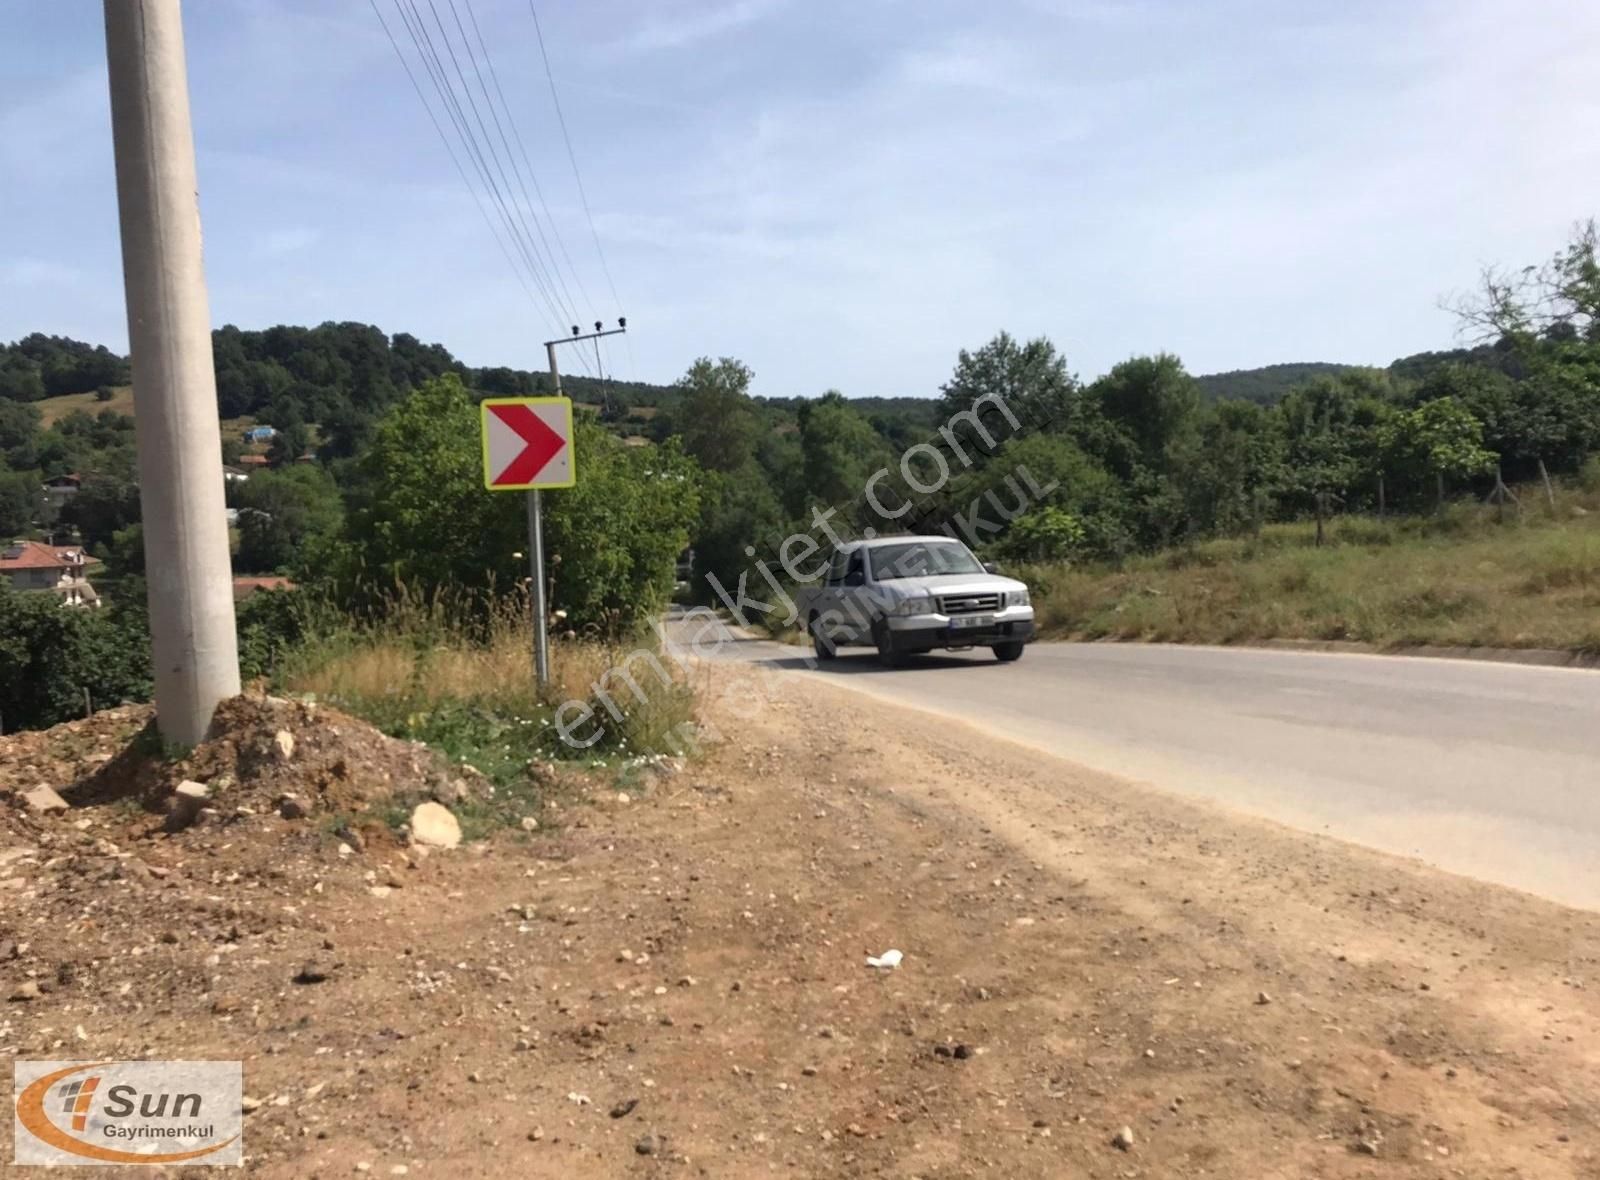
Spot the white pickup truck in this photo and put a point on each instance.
(905, 595)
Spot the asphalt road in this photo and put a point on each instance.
(1485, 769)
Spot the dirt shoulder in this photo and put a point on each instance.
(1081, 955)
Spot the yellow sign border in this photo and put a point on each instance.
(483, 440)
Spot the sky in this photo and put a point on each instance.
(841, 194)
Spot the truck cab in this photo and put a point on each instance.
(914, 594)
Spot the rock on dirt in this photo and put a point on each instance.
(434, 826)
(44, 800)
(312, 972)
(1123, 1139)
(283, 745)
(186, 803)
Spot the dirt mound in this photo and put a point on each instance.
(263, 754)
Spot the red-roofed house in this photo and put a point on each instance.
(61, 569)
(244, 587)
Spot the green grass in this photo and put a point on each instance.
(468, 692)
(53, 409)
(1465, 578)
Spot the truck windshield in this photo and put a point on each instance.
(918, 559)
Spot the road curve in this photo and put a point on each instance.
(1484, 769)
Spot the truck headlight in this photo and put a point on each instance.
(1017, 598)
(913, 606)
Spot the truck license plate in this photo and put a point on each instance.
(967, 622)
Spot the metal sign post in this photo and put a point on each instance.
(527, 445)
(541, 612)
(541, 640)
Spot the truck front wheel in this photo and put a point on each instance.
(820, 643)
(1006, 652)
(887, 655)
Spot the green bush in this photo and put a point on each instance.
(271, 623)
(50, 655)
(423, 519)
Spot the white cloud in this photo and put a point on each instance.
(692, 24)
(289, 240)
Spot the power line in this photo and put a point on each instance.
(533, 175)
(515, 226)
(577, 175)
(494, 115)
(428, 55)
(515, 223)
(460, 171)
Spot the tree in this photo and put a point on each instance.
(1557, 301)
(291, 441)
(737, 509)
(103, 505)
(1375, 430)
(49, 657)
(1152, 402)
(1443, 438)
(285, 517)
(20, 502)
(1319, 461)
(19, 430)
(1032, 380)
(1228, 467)
(839, 451)
(423, 518)
(783, 465)
(124, 554)
(614, 538)
(1047, 533)
(717, 420)
(20, 379)
(502, 382)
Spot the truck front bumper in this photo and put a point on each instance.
(916, 633)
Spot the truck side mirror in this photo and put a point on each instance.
(990, 567)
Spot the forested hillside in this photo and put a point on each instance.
(1266, 384)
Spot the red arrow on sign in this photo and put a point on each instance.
(541, 444)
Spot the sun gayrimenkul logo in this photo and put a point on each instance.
(128, 1112)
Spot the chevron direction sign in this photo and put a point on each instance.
(527, 443)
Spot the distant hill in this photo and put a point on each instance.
(1266, 384)
(1269, 383)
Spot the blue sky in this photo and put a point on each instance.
(845, 194)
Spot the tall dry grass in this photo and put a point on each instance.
(444, 670)
(1472, 576)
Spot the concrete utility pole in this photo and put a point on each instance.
(541, 609)
(194, 648)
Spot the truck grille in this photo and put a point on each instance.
(969, 604)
